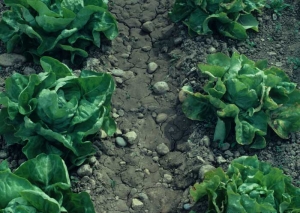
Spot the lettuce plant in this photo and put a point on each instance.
(53, 112)
(247, 96)
(52, 27)
(40, 184)
(248, 186)
(231, 18)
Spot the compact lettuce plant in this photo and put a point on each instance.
(231, 18)
(247, 96)
(50, 27)
(53, 112)
(40, 184)
(248, 186)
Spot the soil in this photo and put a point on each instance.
(145, 176)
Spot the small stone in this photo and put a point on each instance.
(115, 115)
(220, 160)
(119, 80)
(117, 72)
(92, 62)
(125, 55)
(3, 154)
(146, 48)
(92, 160)
(148, 27)
(143, 196)
(103, 134)
(228, 153)
(182, 96)
(130, 137)
(272, 53)
(278, 64)
(161, 117)
(187, 206)
(167, 178)
(121, 112)
(162, 149)
(85, 170)
(10, 59)
(28, 71)
(118, 132)
(155, 158)
(178, 40)
(204, 169)
(147, 171)
(225, 146)
(122, 163)
(206, 141)
(274, 16)
(152, 67)
(136, 204)
(161, 87)
(212, 50)
(120, 141)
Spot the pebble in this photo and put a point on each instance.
(28, 71)
(92, 160)
(103, 134)
(117, 72)
(228, 153)
(10, 59)
(161, 117)
(3, 154)
(120, 141)
(204, 169)
(182, 96)
(162, 149)
(212, 50)
(167, 178)
(161, 87)
(143, 196)
(85, 170)
(152, 67)
(155, 158)
(146, 48)
(130, 137)
(178, 40)
(187, 206)
(225, 146)
(206, 141)
(136, 204)
(148, 26)
(220, 160)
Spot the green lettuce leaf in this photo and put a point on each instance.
(55, 28)
(248, 186)
(230, 18)
(247, 95)
(39, 185)
(54, 112)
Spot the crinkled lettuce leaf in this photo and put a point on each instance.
(39, 185)
(245, 95)
(229, 18)
(56, 28)
(248, 186)
(53, 112)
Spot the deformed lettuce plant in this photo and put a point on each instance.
(248, 186)
(50, 27)
(53, 112)
(247, 96)
(40, 184)
(231, 18)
